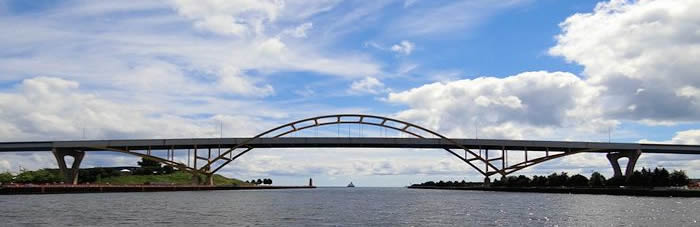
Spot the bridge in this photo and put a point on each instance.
(206, 156)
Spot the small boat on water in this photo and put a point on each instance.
(351, 185)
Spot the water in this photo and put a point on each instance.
(346, 207)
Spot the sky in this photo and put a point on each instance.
(620, 71)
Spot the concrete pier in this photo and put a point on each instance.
(70, 176)
(632, 157)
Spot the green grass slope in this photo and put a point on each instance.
(178, 177)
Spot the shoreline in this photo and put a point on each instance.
(593, 191)
(74, 189)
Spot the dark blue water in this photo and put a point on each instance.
(346, 207)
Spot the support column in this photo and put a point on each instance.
(486, 153)
(632, 157)
(210, 179)
(70, 176)
(487, 182)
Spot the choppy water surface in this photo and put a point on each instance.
(346, 207)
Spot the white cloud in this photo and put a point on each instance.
(299, 31)
(691, 137)
(47, 108)
(305, 92)
(404, 47)
(5, 165)
(643, 52)
(131, 51)
(508, 101)
(529, 105)
(368, 85)
(295, 10)
(250, 18)
(231, 79)
(449, 17)
(359, 13)
(235, 17)
(689, 92)
(348, 162)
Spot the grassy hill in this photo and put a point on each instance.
(178, 177)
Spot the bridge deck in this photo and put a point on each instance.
(360, 142)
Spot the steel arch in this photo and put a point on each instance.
(338, 119)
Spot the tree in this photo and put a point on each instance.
(39, 177)
(510, 181)
(646, 175)
(597, 180)
(660, 178)
(267, 181)
(638, 178)
(6, 177)
(498, 183)
(148, 167)
(145, 163)
(46, 176)
(259, 181)
(538, 181)
(578, 180)
(522, 181)
(678, 178)
(615, 181)
(168, 170)
(25, 177)
(555, 179)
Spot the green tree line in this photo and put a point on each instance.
(644, 178)
(41, 176)
(449, 184)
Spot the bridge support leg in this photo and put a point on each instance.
(70, 176)
(632, 157)
(210, 179)
(487, 182)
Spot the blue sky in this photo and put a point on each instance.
(516, 69)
